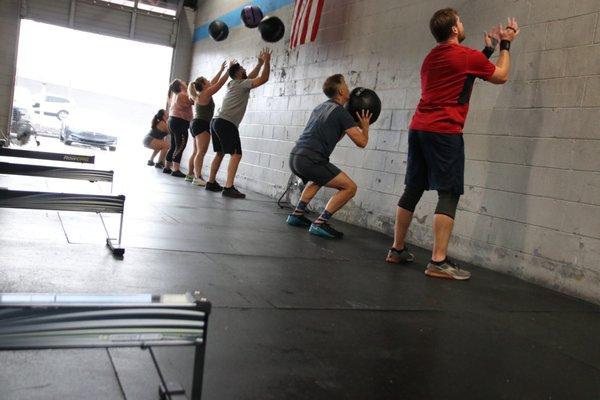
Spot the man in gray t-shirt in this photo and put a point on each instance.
(224, 127)
(309, 159)
(235, 101)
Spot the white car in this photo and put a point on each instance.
(54, 105)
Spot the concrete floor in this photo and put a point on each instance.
(294, 316)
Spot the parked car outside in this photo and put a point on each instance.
(53, 105)
(74, 131)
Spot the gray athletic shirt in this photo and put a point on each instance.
(325, 128)
(235, 101)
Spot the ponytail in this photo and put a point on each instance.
(195, 87)
(192, 93)
(157, 118)
(174, 87)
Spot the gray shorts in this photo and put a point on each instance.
(313, 168)
(147, 140)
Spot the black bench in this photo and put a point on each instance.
(48, 171)
(63, 321)
(43, 155)
(99, 204)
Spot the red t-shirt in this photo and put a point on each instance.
(445, 90)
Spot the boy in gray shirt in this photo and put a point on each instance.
(224, 127)
(309, 159)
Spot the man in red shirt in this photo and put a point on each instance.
(436, 156)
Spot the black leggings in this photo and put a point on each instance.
(179, 135)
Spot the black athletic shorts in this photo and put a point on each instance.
(198, 126)
(436, 161)
(225, 137)
(312, 167)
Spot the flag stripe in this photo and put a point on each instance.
(317, 21)
(299, 4)
(306, 20)
(301, 19)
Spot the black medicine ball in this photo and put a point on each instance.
(218, 30)
(251, 16)
(364, 99)
(271, 29)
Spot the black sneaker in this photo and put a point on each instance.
(298, 220)
(233, 192)
(150, 163)
(447, 270)
(178, 174)
(323, 229)
(159, 165)
(396, 256)
(167, 170)
(213, 186)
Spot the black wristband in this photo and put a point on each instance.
(488, 51)
(505, 45)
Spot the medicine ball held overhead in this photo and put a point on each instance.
(251, 16)
(364, 99)
(271, 29)
(218, 30)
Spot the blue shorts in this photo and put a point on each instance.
(436, 161)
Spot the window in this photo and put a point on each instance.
(128, 3)
(167, 7)
(53, 99)
(164, 7)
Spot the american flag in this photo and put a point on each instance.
(305, 25)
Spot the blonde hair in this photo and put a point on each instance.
(195, 87)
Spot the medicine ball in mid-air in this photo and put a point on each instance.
(218, 30)
(364, 99)
(271, 29)
(251, 16)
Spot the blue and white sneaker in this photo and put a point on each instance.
(325, 230)
(298, 220)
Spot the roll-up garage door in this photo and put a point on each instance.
(118, 18)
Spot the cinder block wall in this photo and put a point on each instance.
(532, 201)
(9, 32)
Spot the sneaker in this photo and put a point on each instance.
(298, 220)
(399, 256)
(447, 270)
(167, 170)
(178, 174)
(189, 178)
(150, 163)
(325, 230)
(213, 186)
(199, 182)
(159, 165)
(233, 193)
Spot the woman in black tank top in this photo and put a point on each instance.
(201, 91)
(155, 138)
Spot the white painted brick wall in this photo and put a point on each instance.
(532, 201)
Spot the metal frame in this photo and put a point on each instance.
(77, 323)
(33, 200)
(43, 155)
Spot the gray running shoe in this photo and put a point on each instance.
(399, 256)
(447, 270)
